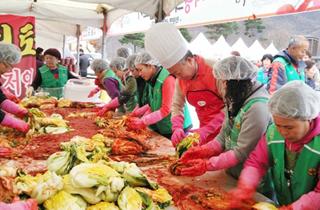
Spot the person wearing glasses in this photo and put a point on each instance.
(10, 112)
(157, 97)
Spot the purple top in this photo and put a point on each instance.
(112, 87)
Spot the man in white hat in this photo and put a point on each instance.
(195, 81)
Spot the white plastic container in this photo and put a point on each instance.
(79, 89)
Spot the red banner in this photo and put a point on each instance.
(19, 30)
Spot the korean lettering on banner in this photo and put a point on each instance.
(19, 30)
(189, 4)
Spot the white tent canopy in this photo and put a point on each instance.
(240, 46)
(256, 51)
(201, 46)
(271, 49)
(221, 48)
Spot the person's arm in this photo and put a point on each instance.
(254, 125)
(72, 75)
(128, 91)
(111, 85)
(309, 200)
(164, 111)
(178, 100)
(37, 80)
(277, 77)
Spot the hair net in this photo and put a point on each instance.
(9, 53)
(295, 100)
(234, 68)
(99, 65)
(130, 61)
(123, 52)
(118, 63)
(145, 58)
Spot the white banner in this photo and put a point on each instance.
(201, 12)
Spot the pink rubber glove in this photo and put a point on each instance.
(177, 129)
(138, 112)
(29, 204)
(12, 122)
(5, 151)
(206, 151)
(308, 200)
(248, 181)
(196, 167)
(13, 108)
(113, 104)
(223, 161)
(152, 118)
(136, 124)
(93, 92)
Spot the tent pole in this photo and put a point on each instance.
(78, 33)
(104, 34)
(159, 17)
(64, 46)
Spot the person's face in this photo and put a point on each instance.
(310, 72)
(119, 73)
(5, 67)
(184, 70)
(134, 72)
(291, 129)
(145, 71)
(266, 63)
(99, 74)
(298, 52)
(51, 61)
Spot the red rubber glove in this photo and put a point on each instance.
(93, 92)
(5, 151)
(206, 151)
(196, 167)
(136, 123)
(240, 195)
(12, 122)
(30, 204)
(13, 108)
(289, 207)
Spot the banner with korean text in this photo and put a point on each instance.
(19, 30)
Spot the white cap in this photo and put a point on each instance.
(295, 100)
(165, 43)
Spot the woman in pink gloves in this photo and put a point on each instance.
(10, 55)
(246, 120)
(29, 204)
(157, 97)
(290, 149)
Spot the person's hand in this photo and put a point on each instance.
(177, 136)
(12, 122)
(138, 112)
(13, 108)
(195, 167)
(5, 151)
(30, 204)
(136, 124)
(197, 152)
(103, 110)
(93, 92)
(10, 96)
(239, 196)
